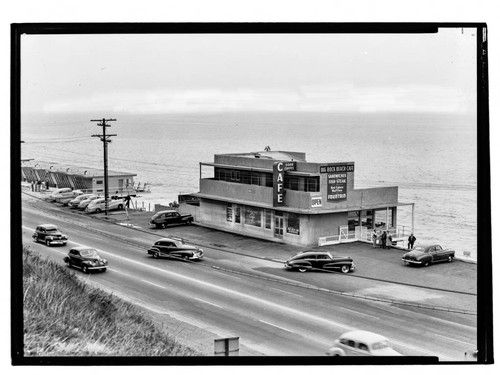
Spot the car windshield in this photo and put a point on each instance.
(419, 248)
(178, 243)
(380, 345)
(51, 230)
(88, 253)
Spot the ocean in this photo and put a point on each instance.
(432, 158)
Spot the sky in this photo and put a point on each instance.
(171, 73)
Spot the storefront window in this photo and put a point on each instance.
(268, 219)
(383, 218)
(293, 224)
(253, 216)
(229, 212)
(237, 215)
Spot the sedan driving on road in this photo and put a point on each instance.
(175, 247)
(50, 235)
(319, 260)
(362, 343)
(424, 255)
(86, 259)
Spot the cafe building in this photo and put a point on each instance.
(279, 196)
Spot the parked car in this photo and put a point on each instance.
(319, 260)
(175, 247)
(76, 201)
(362, 343)
(84, 203)
(66, 197)
(50, 235)
(163, 218)
(85, 258)
(98, 205)
(426, 254)
(51, 197)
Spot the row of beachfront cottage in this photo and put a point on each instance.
(274, 195)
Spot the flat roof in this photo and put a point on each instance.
(72, 169)
(275, 155)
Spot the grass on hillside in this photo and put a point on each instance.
(65, 317)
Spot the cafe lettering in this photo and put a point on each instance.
(278, 184)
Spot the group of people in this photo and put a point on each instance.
(384, 240)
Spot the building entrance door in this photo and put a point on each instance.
(278, 226)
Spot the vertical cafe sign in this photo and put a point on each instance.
(336, 181)
(279, 169)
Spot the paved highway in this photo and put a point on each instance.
(226, 295)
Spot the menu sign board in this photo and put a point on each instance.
(337, 187)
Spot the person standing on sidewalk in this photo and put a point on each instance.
(384, 237)
(374, 237)
(411, 241)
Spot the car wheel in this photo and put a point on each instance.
(47, 242)
(426, 263)
(35, 239)
(302, 269)
(188, 222)
(104, 269)
(120, 206)
(450, 259)
(98, 210)
(156, 255)
(345, 269)
(85, 269)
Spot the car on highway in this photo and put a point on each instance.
(73, 203)
(98, 205)
(85, 258)
(175, 248)
(163, 218)
(50, 235)
(362, 343)
(319, 260)
(51, 197)
(423, 255)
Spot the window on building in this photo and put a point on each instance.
(293, 224)
(229, 212)
(255, 178)
(237, 214)
(253, 216)
(99, 182)
(312, 184)
(267, 222)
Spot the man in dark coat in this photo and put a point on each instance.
(384, 237)
(411, 241)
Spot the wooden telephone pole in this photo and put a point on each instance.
(104, 139)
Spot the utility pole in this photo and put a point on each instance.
(104, 139)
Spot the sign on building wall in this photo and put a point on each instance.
(316, 202)
(337, 187)
(336, 168)
(278, 184)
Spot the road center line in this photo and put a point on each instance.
(274, 325)
(208, 303)
(150, 283)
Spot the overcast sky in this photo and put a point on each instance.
(141, 74)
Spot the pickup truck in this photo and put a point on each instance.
(163, 218)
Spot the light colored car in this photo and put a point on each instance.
(76, 201)
(362, 343)
(66, 197)
(51, 197)
(84, 203)
(98, 205)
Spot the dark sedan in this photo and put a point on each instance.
(175, 248)
(319, 260)
(86, 259)
(423, 255)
